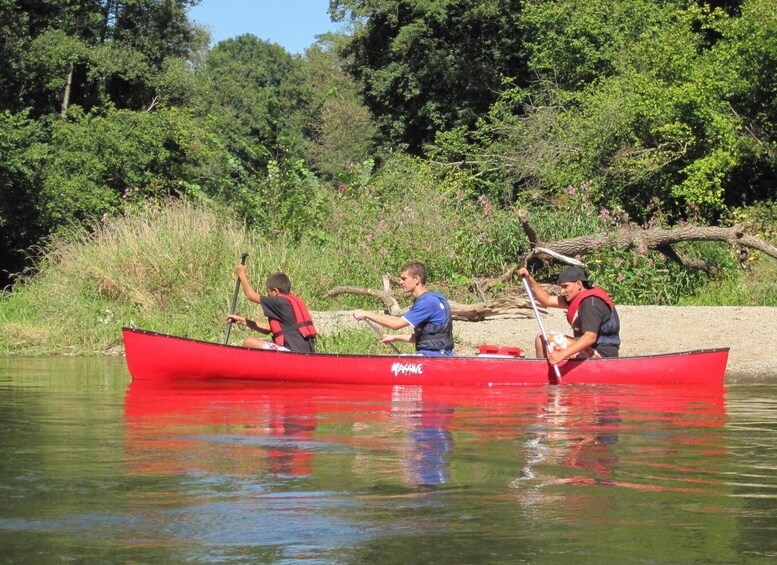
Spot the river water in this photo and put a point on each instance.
(94, 469)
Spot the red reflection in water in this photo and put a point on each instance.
(673, 437)
(274, 427)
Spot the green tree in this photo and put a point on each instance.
(258, 107)
(91, 52)
(748, 60)
(20, 224)
(253, 87)
(433, 64)
(340, 133)
(656, 111)
(92, 164)
(67, 67)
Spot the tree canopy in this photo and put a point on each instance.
(431, 65)
(653, 112)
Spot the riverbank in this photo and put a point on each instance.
(750, 332)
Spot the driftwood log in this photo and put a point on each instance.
(390, 303)
(463, 312)
(489, 308)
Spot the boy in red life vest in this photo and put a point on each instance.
(289, 320)
(590, 312)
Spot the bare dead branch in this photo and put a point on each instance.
(153, 103)
(490, 308)
(523, 219)
(389, 302)
(386, 280)
(683, 259)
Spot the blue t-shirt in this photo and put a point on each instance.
(426, 308)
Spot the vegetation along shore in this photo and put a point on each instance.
(137, 162)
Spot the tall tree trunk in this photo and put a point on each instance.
(68, 86)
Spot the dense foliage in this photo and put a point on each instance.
(662, 108)
(431, 65)
(417, 133)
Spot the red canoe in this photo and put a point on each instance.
(160, 357)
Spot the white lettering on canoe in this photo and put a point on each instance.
(407, 369)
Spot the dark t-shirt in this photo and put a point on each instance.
(592, 314)
(278, 308)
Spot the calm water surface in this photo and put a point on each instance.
(95, 469)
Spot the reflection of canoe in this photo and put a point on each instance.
(416, 432)
(156, 356)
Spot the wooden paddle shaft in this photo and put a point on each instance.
(234, 299)
(379, 333)
(556, 370)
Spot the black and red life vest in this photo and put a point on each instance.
(609, 333)
(596, 291)
(303, 321)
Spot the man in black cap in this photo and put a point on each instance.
(590, 311)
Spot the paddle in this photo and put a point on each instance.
(234, 298)
(542, 328)
(374, 328)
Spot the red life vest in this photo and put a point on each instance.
(596, 291)
(304, 322)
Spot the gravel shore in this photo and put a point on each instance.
(750, 332)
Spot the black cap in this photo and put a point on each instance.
(572, 274)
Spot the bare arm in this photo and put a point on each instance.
(390, 322)
(400, 338)
(252, 324)
(248, 290)
(540, 294)
(588, 339)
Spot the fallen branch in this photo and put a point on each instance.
(389, 302)
(683, 259)
(643, 240)
(658, 238)
(490, 308)
(460, 312)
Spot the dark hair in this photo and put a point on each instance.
(416, 269)
(280, 281)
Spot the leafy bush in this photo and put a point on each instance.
(631, 276)
(409, 210)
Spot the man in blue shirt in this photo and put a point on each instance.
(429, 317)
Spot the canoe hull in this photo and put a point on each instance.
(160, 357)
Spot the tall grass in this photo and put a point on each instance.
(755, 287)
(168, 268)
(159, 267)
